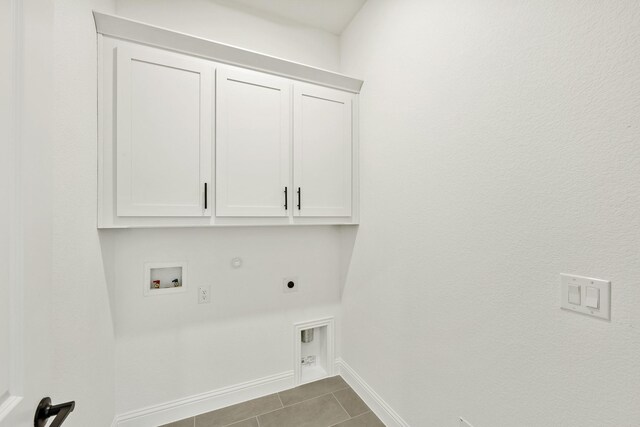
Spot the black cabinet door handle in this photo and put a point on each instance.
(286, 199)
(206, 195)
(46, 410)
(299, 198)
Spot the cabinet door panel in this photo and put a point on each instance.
(163, 133)
(322, 151)
(252, 144)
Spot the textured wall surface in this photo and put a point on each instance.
(84, 344)
(204, 18)
(500, 147)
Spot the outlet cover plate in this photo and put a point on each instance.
(204, 294)
(604, 309)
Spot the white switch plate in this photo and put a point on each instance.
(604, 286)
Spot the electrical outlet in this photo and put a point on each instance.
(290, 284)
(204, 296)
(308, 360)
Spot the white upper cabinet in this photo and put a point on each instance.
(195, 133)
(253, 139)
(323, 151)
(163, 139)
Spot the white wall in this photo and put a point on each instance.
(499, 149)
(84, 349)
(205, 18)
(169, 347)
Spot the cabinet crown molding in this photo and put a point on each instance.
(140, 32)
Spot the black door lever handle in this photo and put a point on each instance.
(46, 410)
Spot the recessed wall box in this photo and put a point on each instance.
(314, 350)
(161, 278)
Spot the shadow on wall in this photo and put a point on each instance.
(107, 252)
(348, 237)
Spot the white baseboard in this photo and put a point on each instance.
(381, 408)
(164, 413)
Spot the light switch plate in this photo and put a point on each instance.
(603, 286)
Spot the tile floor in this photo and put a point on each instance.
(325, 403)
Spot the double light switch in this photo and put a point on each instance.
(586, 295)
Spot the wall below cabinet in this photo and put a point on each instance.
(189, 141)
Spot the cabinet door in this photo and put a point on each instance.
(163, 155)
(253, 116)
(322, 151)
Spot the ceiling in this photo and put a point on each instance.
(329, 15)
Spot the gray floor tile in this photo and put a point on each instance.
(187, 422)
(311, 390)
(321, 411)
(241, 411)
(368, 419)
(251, 422)
(351, 402)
